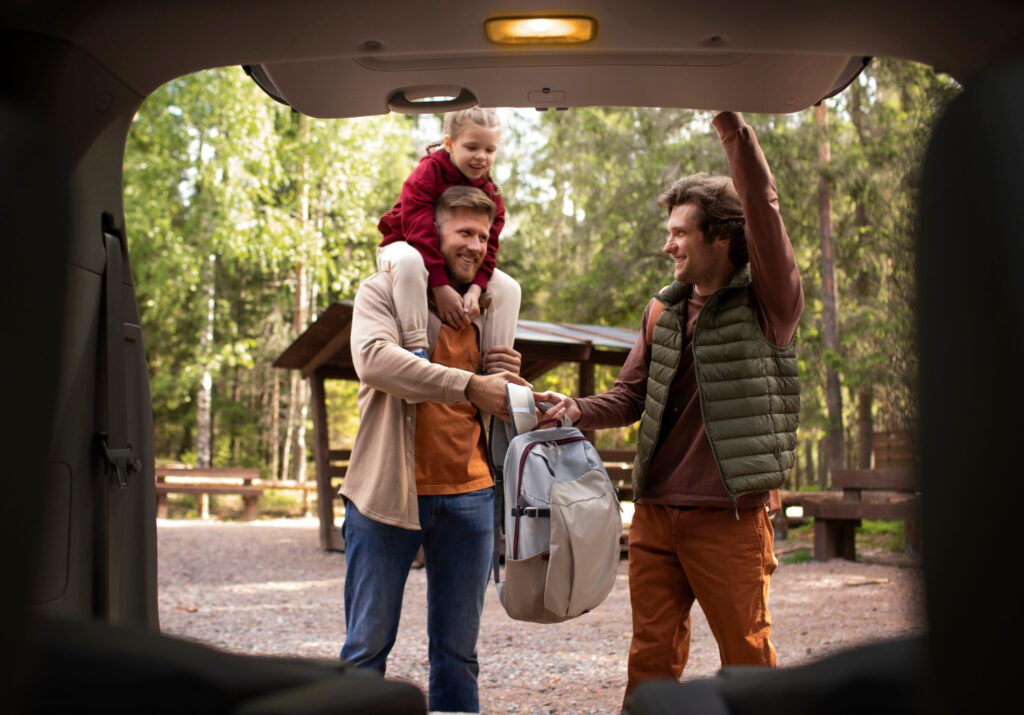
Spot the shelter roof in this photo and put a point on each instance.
(326, 345)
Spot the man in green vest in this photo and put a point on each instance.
(713, 380)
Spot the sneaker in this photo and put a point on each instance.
(420, 352)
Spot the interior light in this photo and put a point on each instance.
(537, 30)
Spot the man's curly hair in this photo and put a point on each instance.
(719, 211)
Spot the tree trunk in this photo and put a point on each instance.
(290, 422)
(808, 462)
(863, 286)
(275, 428)
(301, 463)
(204, 399)
(298, 401)
(829, 293)
(823, 463)
(236, 397)
(865, 426)
(301, 386)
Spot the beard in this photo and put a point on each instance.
(459, 272)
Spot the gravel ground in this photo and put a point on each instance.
(266, 588)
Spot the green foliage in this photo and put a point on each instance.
(277, 504)
(230, 195)
(588, 238)
(869, 526)
(798, 556)
(341, 407)
(586, 210)
(182, 506)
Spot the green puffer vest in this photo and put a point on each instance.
(749, 389)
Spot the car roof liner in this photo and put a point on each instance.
(259, 76)
(852, 72)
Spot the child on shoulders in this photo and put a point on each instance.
(410, 248)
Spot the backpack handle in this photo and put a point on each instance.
(521, 409)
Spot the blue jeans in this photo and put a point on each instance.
(457, 537)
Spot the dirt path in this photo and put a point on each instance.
(265, 587)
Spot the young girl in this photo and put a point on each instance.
(411, 250)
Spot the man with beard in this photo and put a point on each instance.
(418, 474)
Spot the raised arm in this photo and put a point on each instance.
(776, 280)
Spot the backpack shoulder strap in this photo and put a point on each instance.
(657, 307)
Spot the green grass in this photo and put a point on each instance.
(799, 556)
(275, 504)
(226, 507)
(182, 506)
(889, 534)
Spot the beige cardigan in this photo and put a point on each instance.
(381, 477)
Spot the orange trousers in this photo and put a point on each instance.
(678, 554)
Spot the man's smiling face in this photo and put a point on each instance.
(464, 233)
(703, 263)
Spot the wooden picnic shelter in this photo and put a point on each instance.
(323, 352)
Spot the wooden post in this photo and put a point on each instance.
(161, 501)
(324, 492)
(306, 513)
(835, 539)
(252, 508)
(251, 502)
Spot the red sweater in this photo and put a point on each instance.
(412, 217)
(683, 470)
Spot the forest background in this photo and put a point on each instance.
(246, 220)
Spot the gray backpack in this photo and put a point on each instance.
(560, 516)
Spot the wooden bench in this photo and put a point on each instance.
(789, 498)
(889, 493)
(206, 481)
(290, 485)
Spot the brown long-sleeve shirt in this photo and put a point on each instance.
(683, 470)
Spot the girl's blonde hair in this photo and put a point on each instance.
(455, 123)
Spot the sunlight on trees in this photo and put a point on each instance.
(245, 220)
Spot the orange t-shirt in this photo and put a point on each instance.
(450, 453)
